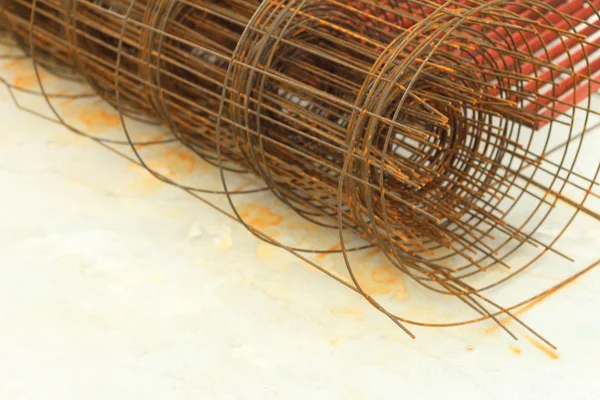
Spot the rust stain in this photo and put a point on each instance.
(241, 188)
(515, 349)
(496, 326)
(470, 348)
(152, 141)
(25, 78)
(146, 182)
(323, 256)
(24, 82)
(260, 217)
(373, 252)
(15, 64)
(156, 166)
(27, 81)
(181, 161)
(69, 101)
(379, 277)
(94, 119)
(383, 280)
(238, 189)
(543, 348)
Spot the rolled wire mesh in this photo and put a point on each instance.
(426, 128)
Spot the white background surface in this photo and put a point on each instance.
(116, 286)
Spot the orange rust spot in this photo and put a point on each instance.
(25, 81)
(181, 160)
(68, 102)
(373, 252)
(152, 141)
(543, 348)
(383, 280)
(146, 182)
(260, 217)
(322, 256)
(496, 326)
(16, 64)
(96, 118)
(470, 348)
(157, 166)
(514, 349)
(238, 189)
(25, 78)
(241, 188)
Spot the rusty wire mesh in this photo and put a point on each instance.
(426, 128)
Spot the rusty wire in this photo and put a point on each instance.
(427, 128)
